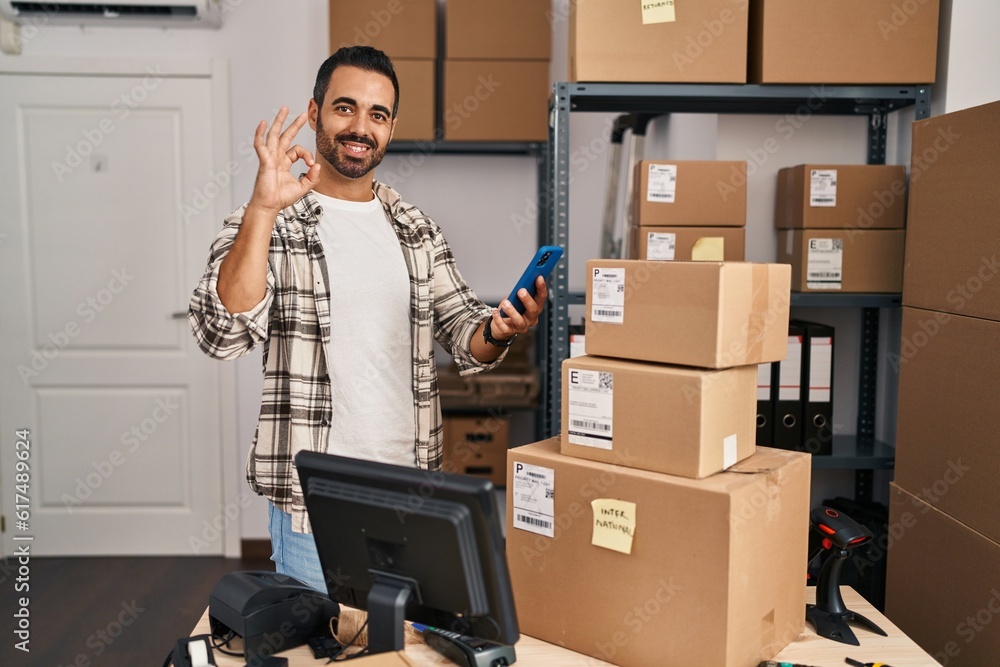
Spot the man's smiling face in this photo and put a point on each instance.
(355, 123)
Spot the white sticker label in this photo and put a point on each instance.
(825, 264)
(823, 187)
(534, 498)
(729, 451)
(591, 408)
(661, 246)
(607, 303)
(820, 369)
(662, 184)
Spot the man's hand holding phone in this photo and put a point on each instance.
(508, 320)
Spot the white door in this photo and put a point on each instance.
(104, 231)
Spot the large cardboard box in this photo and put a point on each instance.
(690, 193)
(681, 421)
(943, 583)
(688, 243)
(496, 100)
(856, 196)
(623, 40)
(705, 314)
(851, 41)
(851, 261)
(953, 240)
(415, 120)
(491, 30)
(946, 430)
(710, 572)
(477, 445)
(401, 28)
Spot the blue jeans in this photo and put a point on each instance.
(294, 553)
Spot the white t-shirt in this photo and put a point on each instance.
(370, 348)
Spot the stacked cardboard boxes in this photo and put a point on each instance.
(654, 495)
(496, 71)
(762, 41)
(841, 226)
(943, 515)
(689, 210)
(407, 31)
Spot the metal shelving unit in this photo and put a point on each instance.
(875, 102)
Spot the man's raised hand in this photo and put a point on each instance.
(276, 187)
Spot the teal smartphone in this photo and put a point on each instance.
(541, 265)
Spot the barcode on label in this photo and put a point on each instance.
(606, 313)
(823, 199)
(825, 274)
(532, 521)
(584, 423)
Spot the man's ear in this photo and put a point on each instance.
(313, 113)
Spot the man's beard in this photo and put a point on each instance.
(346, 164)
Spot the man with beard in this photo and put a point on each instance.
(346, 286)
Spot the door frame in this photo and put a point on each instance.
(217, 71)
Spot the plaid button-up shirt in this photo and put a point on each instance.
(293, 323)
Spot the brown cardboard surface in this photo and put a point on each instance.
(943, 583)
(953, 241)
(869, 196)
(714, 577)
(676, 420)
(946, 431)
(872, 260)
(476, 445)
(491, 30)
(852, 41)
(733, 241)
(394, 659)
(417, 97)
(401, 28)
(496, 100)
(705, 314)
(706, 43)
(709, 193)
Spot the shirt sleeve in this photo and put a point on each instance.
(219, 333)
(458, 310)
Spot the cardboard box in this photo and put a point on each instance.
(953, 241)
(714, 576)
(401, 28)
(415, 120)
(620, 40)
(852, 41)
(825, 260)
(705, 314)
(496, 100)
(477, 445)
(946, 431)
(943, 583)
(491, 30)
(680, 421)
(688, 243)
(690, 193)
(838, 196)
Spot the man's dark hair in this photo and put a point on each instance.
(362, 57)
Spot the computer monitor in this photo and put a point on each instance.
(408, 543)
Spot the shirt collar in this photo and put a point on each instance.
(307, 209)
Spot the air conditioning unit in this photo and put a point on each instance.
(144, 13)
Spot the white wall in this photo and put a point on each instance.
(274, 48)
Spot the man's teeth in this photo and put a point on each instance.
(357, 149)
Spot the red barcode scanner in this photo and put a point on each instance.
(841, 534)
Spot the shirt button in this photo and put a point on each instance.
(325, 422)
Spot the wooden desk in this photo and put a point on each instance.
(897, 649)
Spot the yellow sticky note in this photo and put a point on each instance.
(709, 249)
(657, 11)
(614, 524)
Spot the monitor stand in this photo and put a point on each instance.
(387, 602)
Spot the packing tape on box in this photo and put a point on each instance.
(760, 304)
